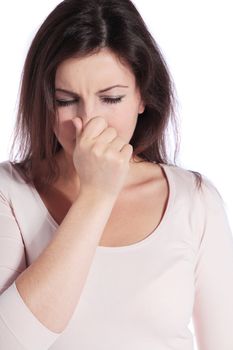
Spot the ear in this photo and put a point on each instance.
(141, 107)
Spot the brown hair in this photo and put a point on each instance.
(79, 28)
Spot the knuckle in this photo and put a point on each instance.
(96, 149)
(113, 130)
(82, 142)
(120, 159)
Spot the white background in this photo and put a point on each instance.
(196, 40)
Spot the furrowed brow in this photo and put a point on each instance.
(74, 94)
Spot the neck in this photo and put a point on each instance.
(69, 176)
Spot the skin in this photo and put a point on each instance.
(41, 285)
(86, 76)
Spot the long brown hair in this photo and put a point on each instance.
(79, 28)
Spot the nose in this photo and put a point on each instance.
(88, 110)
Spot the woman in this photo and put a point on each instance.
(105, 244)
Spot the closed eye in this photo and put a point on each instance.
(64, 103)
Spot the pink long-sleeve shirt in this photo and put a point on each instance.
(136, 297)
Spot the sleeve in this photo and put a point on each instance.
(213, 302)
(19, 328)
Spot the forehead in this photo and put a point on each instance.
(98, 68)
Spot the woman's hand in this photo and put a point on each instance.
(100, 156)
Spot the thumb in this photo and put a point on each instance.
(78, 125)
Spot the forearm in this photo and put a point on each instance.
(52, 284)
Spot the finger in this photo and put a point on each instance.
(77, 122)
(94, 127)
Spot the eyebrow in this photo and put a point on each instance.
(74, 94)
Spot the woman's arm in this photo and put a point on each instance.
(213, 306)
(51, 286)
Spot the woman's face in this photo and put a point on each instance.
(86, 77)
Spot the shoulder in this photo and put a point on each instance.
(5, 169)
(5, 177)
(186, 184)
(198, 204)
(5, 174)
(9, 178)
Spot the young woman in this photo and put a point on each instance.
(105, 243)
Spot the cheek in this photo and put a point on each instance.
(64, 128)
(125, 123)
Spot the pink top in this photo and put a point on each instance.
(140, 296)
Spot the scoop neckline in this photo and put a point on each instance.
(156, 233)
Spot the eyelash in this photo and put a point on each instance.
(61, 103)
